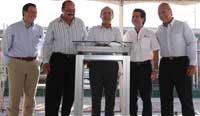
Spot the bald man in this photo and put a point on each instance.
(178, 63)
(103, 74)
(59, 56)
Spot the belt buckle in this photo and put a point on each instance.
(69, 56)
(138, 63)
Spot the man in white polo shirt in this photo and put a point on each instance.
(144, 50)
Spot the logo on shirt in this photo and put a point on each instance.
(146, 36)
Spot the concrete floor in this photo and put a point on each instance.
(39, 111)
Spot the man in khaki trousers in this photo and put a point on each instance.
(21, 44)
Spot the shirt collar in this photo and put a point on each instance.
(25, 24)
(171, 23)
(60, 19)
(142, 28)
(110, 27)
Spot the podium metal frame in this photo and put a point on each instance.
(78, 104)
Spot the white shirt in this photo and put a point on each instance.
(100, 33)
(60, 37)
(143, 44)
(177, 39)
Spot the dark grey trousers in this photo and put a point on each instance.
(103, 77)
(172, 73)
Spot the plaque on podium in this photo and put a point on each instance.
(101, 47)
(101, 50)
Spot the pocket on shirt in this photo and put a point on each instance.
(178, 38)
(145, 43)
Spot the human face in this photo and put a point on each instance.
(30, 15)
(165, 13)
(137, 20)
(107, 16)
(68, 11)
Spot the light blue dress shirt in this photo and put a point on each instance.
(22, 41)
(177, 39)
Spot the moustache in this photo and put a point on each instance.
(70, 14)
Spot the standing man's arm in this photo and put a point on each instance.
(155, 48)
(41, 40)
(91, 35)
(127, 38)
(47, 48)
(191, 49)
(7, 41)
(155, 64)
(118, 36)
(84, 32)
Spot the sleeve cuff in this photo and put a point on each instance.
(194, 63)
(45, 61)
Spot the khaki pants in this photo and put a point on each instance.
(22, 78)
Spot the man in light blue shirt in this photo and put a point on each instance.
(21, 44)
(178, 48)
(22, 40)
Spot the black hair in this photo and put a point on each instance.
(26, 7)
(108, 8)
(66, 1)
(142, 13)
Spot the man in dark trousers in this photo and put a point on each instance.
(59, 56)
(178, 63)
(103, 74)
(144, 62)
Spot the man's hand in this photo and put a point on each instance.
(191, 70)
(46, 68)
(154, 74)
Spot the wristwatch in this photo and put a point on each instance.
(155, 70)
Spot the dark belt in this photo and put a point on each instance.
(142, 63)
(174, 58)
(69, 56)
(25, 58)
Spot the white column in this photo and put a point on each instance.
(121, 16)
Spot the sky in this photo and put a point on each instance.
(89, 12)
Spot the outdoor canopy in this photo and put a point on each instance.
(121, 4)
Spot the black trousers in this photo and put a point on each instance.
(60, 85)
(140, 83)
(103, 77)
(172, 73)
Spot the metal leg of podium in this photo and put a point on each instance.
(78, 103)
(79, 82)
(125, 86)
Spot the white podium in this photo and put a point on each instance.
(104, 53)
